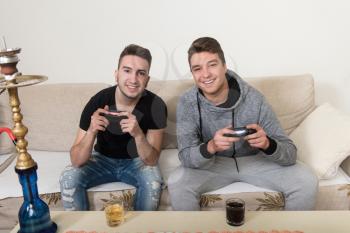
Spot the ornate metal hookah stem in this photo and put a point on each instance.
(8, 63)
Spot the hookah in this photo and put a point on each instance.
(34, 214)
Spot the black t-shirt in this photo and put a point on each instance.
(150, 112)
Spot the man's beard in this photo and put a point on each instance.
(129, 97)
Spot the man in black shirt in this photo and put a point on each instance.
(128, 122)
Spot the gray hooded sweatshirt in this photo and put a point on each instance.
(251, 107)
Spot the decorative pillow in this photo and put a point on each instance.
(323, 140)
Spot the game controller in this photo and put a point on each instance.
(240, 132)
(114, 122)
(113, 117)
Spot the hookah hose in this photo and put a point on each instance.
(9, 133)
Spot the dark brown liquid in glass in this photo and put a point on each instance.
(235, 213)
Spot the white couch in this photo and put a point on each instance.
(52, 112)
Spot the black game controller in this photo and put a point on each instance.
(240, 132)
(114, 122)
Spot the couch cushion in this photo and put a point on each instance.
(323, 140)
(168, 162)
(52, 112)
(291, 97)
(170, 91)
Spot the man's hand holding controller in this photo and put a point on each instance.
(129, 124)
(220, 142)
(258, 139)
(98, 120)
(116, 122)
(252, 133)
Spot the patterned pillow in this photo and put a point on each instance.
(253, 200)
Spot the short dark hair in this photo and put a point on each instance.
(136, 50)
(206, 44)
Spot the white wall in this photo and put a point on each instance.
(80, 40)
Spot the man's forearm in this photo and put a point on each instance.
(148, 154)
(81, 152)
(285, 153)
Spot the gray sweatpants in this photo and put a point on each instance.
(297, 183)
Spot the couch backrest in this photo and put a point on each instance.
(291, 97)
(170, 91)
(52, 111)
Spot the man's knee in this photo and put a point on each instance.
(149, 183)
(183, 194)
(182, 183)
(70, 184)
(69, 177)
(176, 178)
(150, 179)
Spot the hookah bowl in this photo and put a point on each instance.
(34, 214)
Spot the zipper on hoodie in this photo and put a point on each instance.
(201, 134)
(234, 144)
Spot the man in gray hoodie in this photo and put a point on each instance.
(207, 114)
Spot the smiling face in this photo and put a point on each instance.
(132, 76)
(209, 73)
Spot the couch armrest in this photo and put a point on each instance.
(346, 166)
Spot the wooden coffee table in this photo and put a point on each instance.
(205, 221)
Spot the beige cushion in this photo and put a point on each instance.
(168, 162)
(291, 97)
(52, 112)
(170, 91)
(323, 140)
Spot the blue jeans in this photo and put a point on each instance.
(101, 169)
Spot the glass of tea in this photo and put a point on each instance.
(235, 209)
(115, 213)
